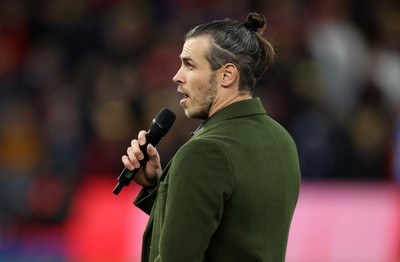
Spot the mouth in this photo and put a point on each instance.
(185, 97)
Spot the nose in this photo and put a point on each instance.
(178, 78)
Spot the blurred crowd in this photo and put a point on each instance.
(80, 78)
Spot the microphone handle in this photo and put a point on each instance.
(127, 175)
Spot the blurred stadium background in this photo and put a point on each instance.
(80, 78)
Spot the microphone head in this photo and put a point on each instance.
(162, 123)
(165, 119)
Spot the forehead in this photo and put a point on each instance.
(195, 48)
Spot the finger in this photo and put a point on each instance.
(142, 137)
(134, 153)
(127, 163)
(154, 157)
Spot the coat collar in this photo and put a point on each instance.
(239, 109)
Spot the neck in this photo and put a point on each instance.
(221, 102)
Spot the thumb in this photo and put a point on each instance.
(154, 157)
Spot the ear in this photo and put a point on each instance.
(229, 75)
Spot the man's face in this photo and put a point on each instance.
(196, 81)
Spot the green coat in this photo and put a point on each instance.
(228, 194)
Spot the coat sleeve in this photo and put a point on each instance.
(200, 181)
(145, 200)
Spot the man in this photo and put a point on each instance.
(229, 193)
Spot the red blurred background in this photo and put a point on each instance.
(334, 222)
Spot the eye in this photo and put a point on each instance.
(188, 64)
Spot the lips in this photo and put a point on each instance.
(185, 97)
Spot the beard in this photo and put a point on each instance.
(203, 100)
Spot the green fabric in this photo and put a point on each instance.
(228, 194)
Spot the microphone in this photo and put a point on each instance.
(158, 128)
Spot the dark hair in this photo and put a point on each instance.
(240, 43)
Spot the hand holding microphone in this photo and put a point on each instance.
(135, 157)
(142, 158)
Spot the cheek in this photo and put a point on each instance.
(193, 83)
(197, 77)
(197, 83)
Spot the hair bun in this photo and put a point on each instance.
(255, 22)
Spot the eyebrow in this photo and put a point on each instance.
(187, 60)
